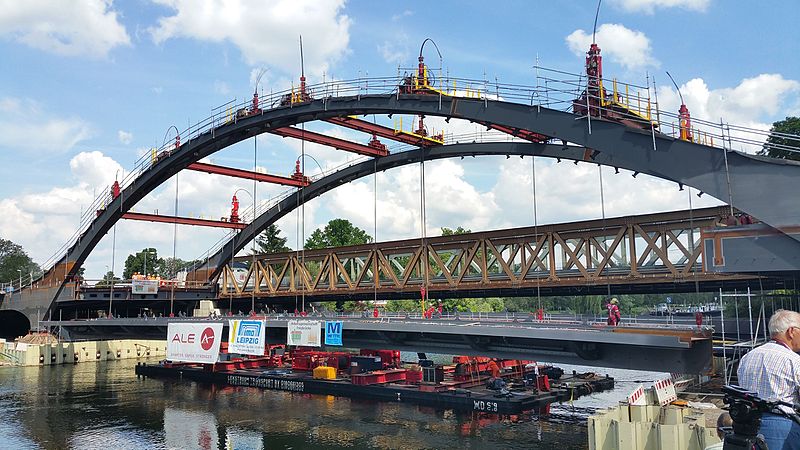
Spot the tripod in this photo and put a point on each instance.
(746, 409)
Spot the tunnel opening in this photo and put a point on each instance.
(13, 324)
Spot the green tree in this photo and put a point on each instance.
(107, 279)
(450, 232)
(337, 233)
(270, 241)
(789, 147)
(137, 262)
(169, 267)
(14, 260)
(403, 305)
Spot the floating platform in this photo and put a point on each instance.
(384, 385)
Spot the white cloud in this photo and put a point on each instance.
(25, 126)
(94, 168)
(628, 48)
(88, 27)
(265, 33)
(402, 15)
(42, 222)
(393, 53)
(649, 6)
(753, 103)
(221, 87)
(125, 137)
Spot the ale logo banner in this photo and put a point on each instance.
(193, 342)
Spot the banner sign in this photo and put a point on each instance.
(144, 286)
(193, 342)
(333, 333)
(247, 336)
(303, 332)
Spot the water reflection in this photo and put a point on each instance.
(106, 406)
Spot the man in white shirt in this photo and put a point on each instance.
(773, 372)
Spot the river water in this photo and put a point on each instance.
(106, 406)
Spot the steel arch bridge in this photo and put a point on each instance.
(708, 169)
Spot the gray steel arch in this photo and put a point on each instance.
(613, 144)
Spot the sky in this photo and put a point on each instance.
(87, 88)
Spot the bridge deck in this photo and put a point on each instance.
(667, 349)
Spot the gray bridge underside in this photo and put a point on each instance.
(753, 179)
(571, 344)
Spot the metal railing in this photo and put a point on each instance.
(555, 89)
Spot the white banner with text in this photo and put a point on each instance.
(247, 337)
(304, 332)
(193, 342)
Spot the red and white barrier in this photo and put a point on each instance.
(665, 391)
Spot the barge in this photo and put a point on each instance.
(470, 384)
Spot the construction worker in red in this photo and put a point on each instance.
(494, 369)
(429, 312)
(613, 312)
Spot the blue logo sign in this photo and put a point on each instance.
(249, 332)
(669, 299)
(333, 333)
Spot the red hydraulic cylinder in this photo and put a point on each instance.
(685, 123)
(337, 143)
(594, 67)
(234, 210)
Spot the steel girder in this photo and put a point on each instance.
(661, 248)
(752, 178)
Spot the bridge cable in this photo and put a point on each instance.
(375, 263)
(603, 213)
(174, 249)
(253, 265)
(297, 234)
(691, 240)
(725, 154)
(423, 247)
(303, 221)
(535, 232)
(113, 257)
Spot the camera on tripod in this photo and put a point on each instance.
(746, 408)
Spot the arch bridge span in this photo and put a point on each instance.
(609, 143)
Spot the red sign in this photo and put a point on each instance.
(207, 338)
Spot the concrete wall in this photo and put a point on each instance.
(651, 428)
(75, 352)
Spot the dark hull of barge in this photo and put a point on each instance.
(473, 399)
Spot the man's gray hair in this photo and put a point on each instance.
(782, 320)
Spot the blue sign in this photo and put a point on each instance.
(669, 299)
(246, 336)
(333, 333)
